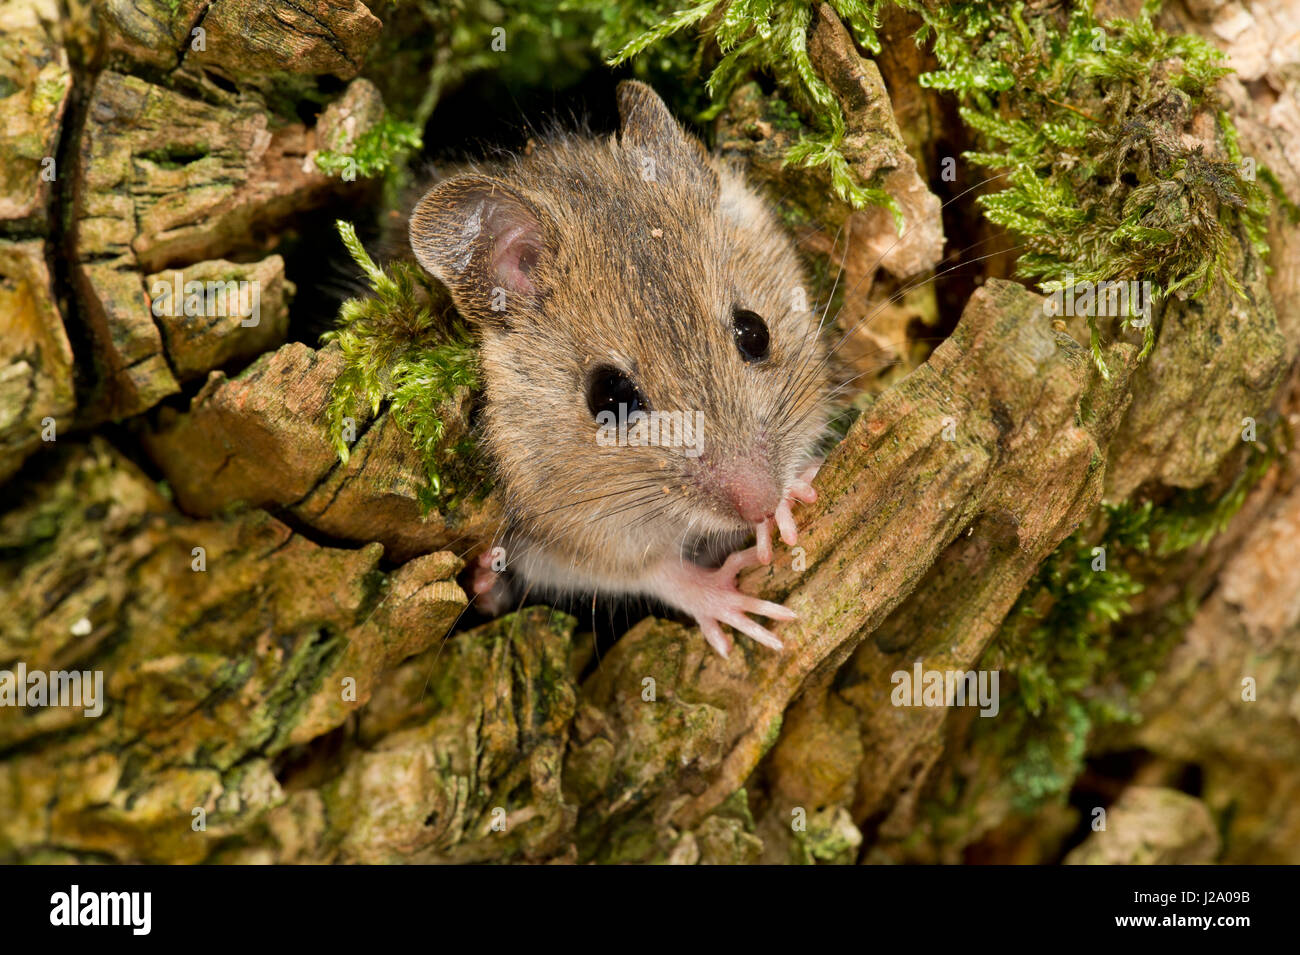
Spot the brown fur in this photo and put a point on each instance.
(615, 270)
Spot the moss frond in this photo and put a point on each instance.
(1088, 118)
(403, 345)
(423, 384)
(385, 146)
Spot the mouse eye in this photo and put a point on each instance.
(608, 388)
(750, 333)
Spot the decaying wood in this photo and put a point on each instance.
(244, 39)
(261, 440)
(237, 654)
(36, 386)
(165, 180)
(197, 343)
(1151, 826)
(35, 73)
(1227, 698)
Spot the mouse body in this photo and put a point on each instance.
(655, 384)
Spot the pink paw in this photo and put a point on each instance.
(711, 597)
(800, 489)
(490, 590)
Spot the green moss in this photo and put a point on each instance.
(783, 116)
(1289, 208)
(404, 345)
(175, 156)
(767, 36)
(48, 95)
(773, 734)
(1047, 765)
(383, 147)
(1087, 120)
(830, 839)
(296, 683)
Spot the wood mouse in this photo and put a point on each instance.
(634, 279)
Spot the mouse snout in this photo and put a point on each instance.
(746, 486)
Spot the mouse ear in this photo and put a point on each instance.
(481, 239)
(656, 142)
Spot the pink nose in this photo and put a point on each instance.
(752, 505)
(748, 487)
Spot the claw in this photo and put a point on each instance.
(753, 630)
(714, 636)
(740, 560)
(711, 597)
(766, 608)
(763, 541)
(785, 522)
(800, 489)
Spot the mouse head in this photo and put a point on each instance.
(631, 275)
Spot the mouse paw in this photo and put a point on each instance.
(490, 591)
(800, 489)
(711, 597)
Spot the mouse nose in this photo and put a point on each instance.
(748, 487)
